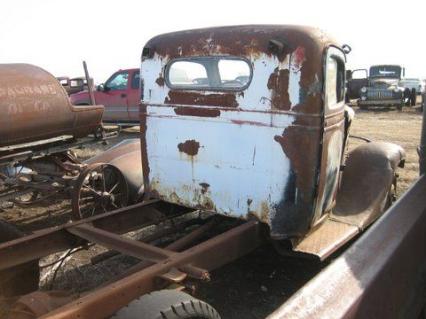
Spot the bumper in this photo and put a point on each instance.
(380, 102)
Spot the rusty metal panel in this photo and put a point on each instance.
(34, 106)
(326, 238)
(331, 159)
(227, 171)
(381, 276)
(243, 152)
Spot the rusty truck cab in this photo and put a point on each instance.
(245, 121)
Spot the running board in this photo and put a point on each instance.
(362, 198)
(326, 238)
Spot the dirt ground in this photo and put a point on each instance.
(256, 284)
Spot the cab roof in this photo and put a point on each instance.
(237, 40)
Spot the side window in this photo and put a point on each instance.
(335, 79)
(136, 81)
(118, 81)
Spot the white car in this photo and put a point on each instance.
(413, 83)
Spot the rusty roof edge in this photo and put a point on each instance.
(314, 32)
(358, 282)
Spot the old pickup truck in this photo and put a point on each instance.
(257, 150)
(381, 87)
(120, 95)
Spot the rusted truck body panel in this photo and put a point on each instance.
(38, 127)
(249, 151)
(383, 275)
(126, 156)
(35, 106)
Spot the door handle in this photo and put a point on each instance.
(123, 94)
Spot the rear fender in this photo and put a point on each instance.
(125, 156)
(364, 195)
(366, 182)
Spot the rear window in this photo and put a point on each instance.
(204, 73)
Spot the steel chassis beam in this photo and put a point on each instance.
(156, 262)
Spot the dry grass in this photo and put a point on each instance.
(401, 128)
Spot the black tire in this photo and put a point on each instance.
(407, 97)
(167, 304)
(21, 279)
(413, 97)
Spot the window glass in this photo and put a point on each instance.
(331, 81)
(136, 80)
(76, 82)
(209, 73)
(234, 73)
(118, 82)
(63, 82)
(188, 73)
(359, 74)
(335, 85)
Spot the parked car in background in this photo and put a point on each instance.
(413, 84)
(355, 80)
(120, 95)
(382, 87)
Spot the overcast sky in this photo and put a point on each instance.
(57, 35)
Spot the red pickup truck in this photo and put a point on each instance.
(120, 95)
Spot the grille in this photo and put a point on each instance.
(381, 94)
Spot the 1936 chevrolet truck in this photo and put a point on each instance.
(247, 122)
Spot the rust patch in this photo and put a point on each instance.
(301, 147)
(190, 147)
(196, 111)
(144, 151)
(264, 212)
(160, 81)
(306, 46)
(238, 40)
(241, 122)
(278, 83)
(199, 98)
(204, 187)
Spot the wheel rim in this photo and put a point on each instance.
(98, 189)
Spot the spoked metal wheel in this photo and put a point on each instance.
(98, 189)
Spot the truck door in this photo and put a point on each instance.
(356, 80)
(133, 97)
(333, 140)
(114, 97)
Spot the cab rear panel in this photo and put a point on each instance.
(245, 151)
